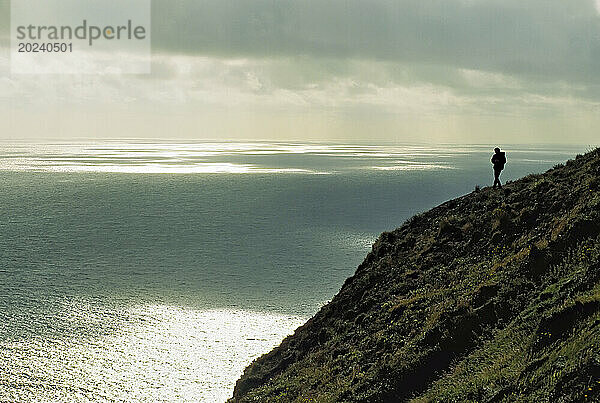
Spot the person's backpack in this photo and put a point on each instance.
(499, 160)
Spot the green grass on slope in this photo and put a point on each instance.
(551, 351)
(494, 296)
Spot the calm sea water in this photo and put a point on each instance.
(157, 271)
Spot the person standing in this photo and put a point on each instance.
(498, 161)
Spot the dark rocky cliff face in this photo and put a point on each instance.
(494, 296)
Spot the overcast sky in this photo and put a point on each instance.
(462, 71)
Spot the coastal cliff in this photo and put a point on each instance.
(493, 296)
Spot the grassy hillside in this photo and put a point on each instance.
(494, 296)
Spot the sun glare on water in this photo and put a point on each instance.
(212, 157)
(162, 353)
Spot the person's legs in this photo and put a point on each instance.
(497, 178)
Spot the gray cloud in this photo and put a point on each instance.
(442, 68)
(548, 39)
(541, 40)
(4, 22)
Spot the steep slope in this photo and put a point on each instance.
(492, 296)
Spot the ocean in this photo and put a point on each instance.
(157, 270)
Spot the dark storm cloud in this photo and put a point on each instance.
(538, 39)
(554, 39)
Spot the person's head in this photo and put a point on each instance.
(496, 150)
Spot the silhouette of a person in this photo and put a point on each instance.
(498, 160)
